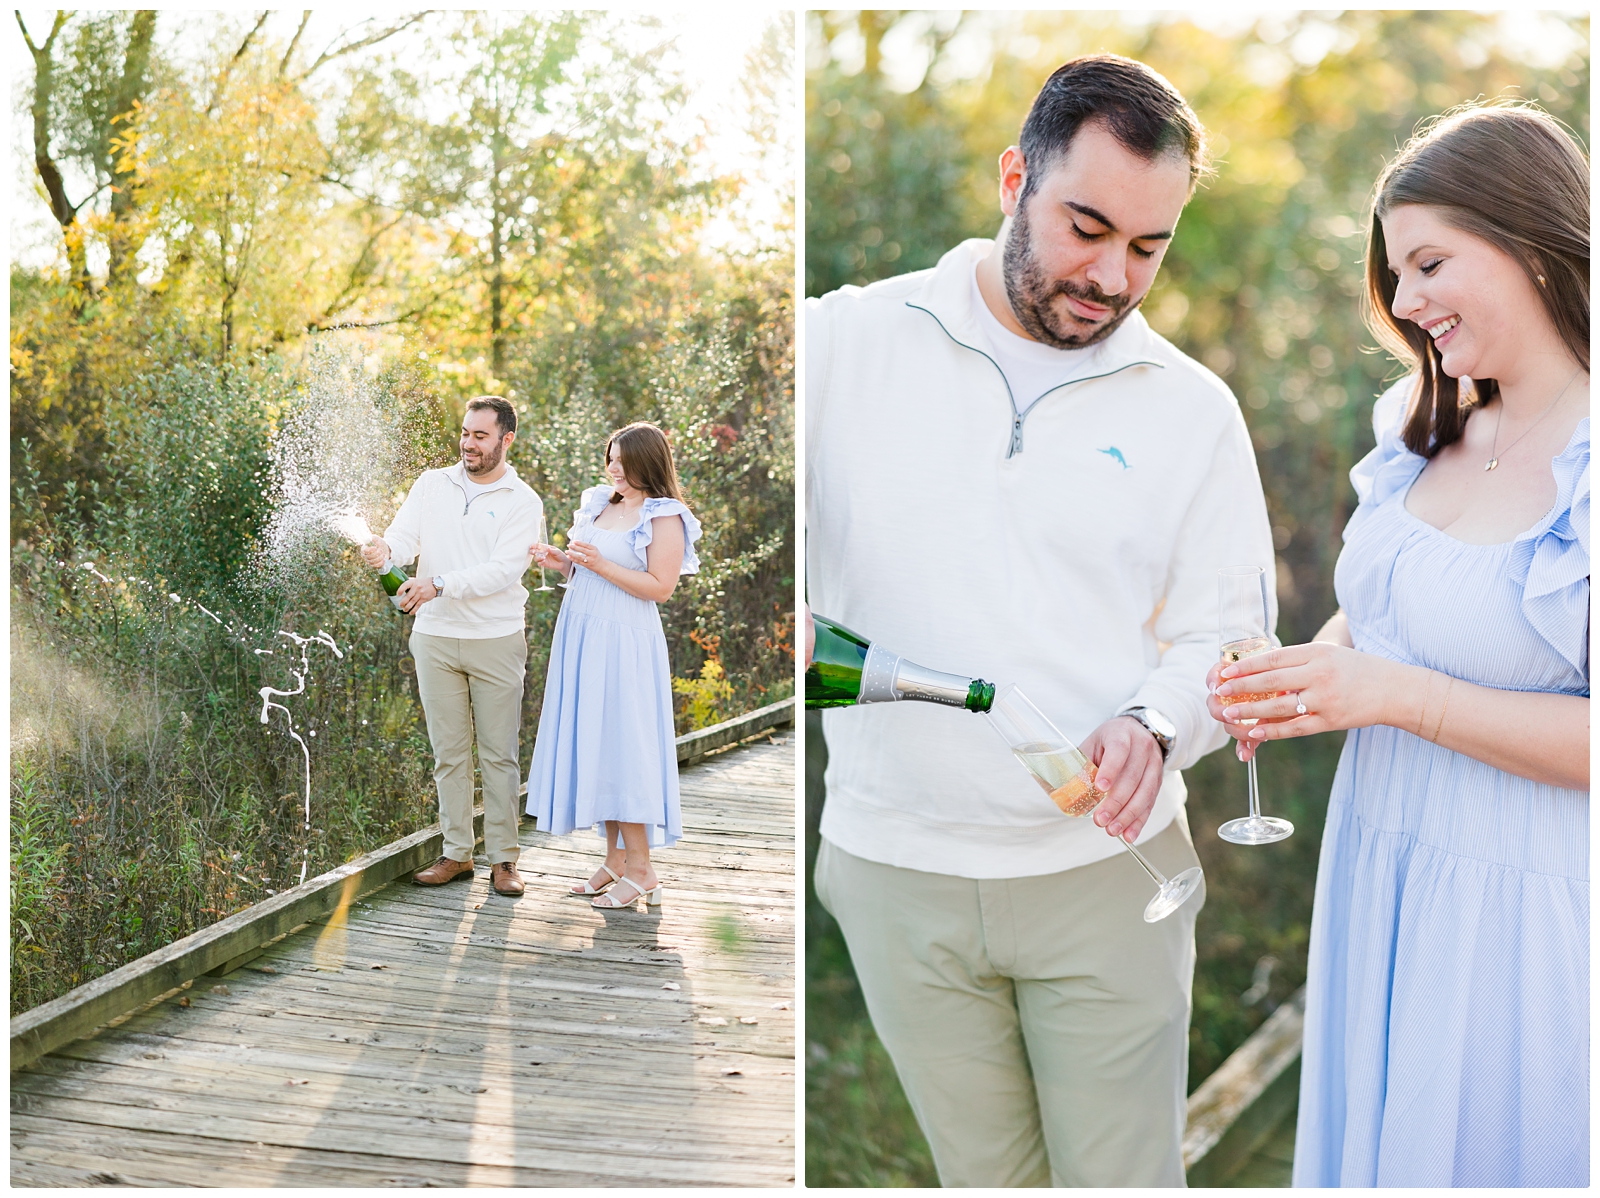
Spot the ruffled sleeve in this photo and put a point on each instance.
(1551, 561)
(592, 501)
(1390, 468)
(644, 532)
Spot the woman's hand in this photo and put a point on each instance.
(550, 558)
(584, 554)
(1339, 688)
(1244, 749)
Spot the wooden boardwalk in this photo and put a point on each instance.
(455, 1037)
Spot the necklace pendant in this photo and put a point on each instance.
(1493, 462)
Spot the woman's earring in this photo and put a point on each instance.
(1541, 280)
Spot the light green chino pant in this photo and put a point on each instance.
(1039, 1026)
(466, 686)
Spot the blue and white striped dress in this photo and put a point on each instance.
(605, 748)
(1447, 1013)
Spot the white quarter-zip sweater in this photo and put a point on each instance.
(478, 544)
(1072, 550)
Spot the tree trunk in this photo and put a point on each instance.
(131, 91)
(497, 279)
(65, 212)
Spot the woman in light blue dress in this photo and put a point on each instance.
(605, 755)
(1447, 1009)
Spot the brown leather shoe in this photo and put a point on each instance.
(505, 879)
(445, 869)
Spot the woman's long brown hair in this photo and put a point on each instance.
(646, 458)
(1507, 173)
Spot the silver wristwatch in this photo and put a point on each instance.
(1157, 725)
(438, 585)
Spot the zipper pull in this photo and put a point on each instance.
(1016, 437)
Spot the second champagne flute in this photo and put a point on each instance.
(544, 539)
(1067, 776)
(582, 530)
(1242, 629)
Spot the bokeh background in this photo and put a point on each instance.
(906, 116)
(235, 232)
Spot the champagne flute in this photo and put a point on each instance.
(1068, 778)
(544, 539)
(582, 530)
(1242, 629)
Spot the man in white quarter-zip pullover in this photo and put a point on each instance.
(1009, 475)
(469, 527)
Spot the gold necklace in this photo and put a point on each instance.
(1494, 456)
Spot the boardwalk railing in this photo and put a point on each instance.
(1241, 1104)
(232, 941)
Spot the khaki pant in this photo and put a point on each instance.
(1039, 1026)
(467, 685)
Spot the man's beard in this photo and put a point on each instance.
(489, 460)
(1030, 293)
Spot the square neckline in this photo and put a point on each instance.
(1521, 536)
(636, 524)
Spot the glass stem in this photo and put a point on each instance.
(1255, 794)
(1155, 874)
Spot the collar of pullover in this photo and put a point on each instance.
(947, 296)
(458, 475)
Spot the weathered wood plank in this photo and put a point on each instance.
(638, 1153)
(167, 1159)
(695, 745)
(324, 1104)
(698, 1151)
(1241, 1103)
(369, 1080)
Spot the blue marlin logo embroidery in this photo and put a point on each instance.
(1116, 454)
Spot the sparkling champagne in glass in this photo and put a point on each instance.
(1067, 776)
(1242, 629)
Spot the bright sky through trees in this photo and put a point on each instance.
(712, 47)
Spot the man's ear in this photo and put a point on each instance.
(1013, 173)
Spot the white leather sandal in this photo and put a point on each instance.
(586, 890)
(609, 902)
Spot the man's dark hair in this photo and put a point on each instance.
(1142, 110)
(505, 415)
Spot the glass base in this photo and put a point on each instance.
(1172, 896)
(1256, 829)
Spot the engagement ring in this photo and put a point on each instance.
(1299, 704)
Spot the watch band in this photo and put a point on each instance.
(1163, 737)
(438, 585)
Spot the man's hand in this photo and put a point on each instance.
(414, 592)
(1128, 768)
(375, 552)
(550, 558)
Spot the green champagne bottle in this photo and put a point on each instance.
(847, 669)
(392, 579)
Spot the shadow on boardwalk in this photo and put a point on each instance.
(455, 1037)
